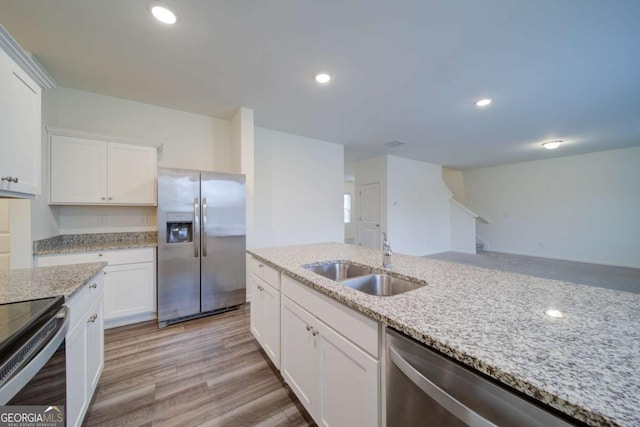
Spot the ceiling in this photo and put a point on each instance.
(407, 70)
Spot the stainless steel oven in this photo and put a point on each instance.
(425, 388)
(32, 352)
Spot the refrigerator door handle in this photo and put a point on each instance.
(196, 216)
(204, 227)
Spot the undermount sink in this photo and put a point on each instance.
(339, 270)
(381, 285)
(363, 279)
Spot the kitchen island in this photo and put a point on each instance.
(585, 364)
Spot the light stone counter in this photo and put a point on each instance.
(76, 243)
(586, 364)
(44, 282)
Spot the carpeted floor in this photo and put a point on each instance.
(604, 276)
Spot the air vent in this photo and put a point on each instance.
(395, 143)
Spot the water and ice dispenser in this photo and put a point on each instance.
(179, 227)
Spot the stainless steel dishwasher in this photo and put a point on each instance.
(425, 388)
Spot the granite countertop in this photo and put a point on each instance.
(586, 364)
(44, 282)
(74, 243)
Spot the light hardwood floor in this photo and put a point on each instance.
(205, 372)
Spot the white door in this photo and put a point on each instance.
(369, 222)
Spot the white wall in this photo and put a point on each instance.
(299, 185)
(454, 179)
(190, 141)
(581, 208)
(462, 228)
(418, 215)
(5, 235)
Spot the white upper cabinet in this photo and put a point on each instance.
(20, 131)
(89, 169)
(78, 170)
(131, 174)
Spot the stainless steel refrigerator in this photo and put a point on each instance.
(201, 243)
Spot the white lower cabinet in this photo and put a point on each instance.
(348, 386)
(130, 290)
(130, 282)
(265, 317)
(336, 379)
(84, 348)
(299, 354)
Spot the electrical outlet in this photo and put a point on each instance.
(142, 220)
(101, 219)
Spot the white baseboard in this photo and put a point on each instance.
(129, 320)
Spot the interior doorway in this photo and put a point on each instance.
(369, 219)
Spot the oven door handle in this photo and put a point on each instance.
(444, 399)
(27, 372)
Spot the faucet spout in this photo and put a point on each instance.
(386, 251)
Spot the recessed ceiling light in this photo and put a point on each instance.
(323, 78)
(483, 102)
(552, 312)
(163, 13)
(552, 145)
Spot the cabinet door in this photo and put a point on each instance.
(95, 344)
(20, 133)
(76, 355)
(348, 383)
(299, 353)
(78, 170)
(129, 289)
(132, 174)
(271, 323)
(257, 310)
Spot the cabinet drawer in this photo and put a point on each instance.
(66, 259)
(357, 327)
(266, 273)
(80, 302)
(130, 256)
(117, 257)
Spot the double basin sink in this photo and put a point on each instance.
(363, 279)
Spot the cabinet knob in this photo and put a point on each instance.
(103, 198)
(314, 333)
(100, 254)
(260, 265)
(94, 286)
(110, 198)
(13, 179)
(309, 327)
(93, 318)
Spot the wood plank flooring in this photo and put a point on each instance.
(204, 372)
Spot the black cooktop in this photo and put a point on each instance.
(19, 320)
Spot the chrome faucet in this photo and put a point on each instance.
(386, 251)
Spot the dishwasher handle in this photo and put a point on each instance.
(444, 399)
